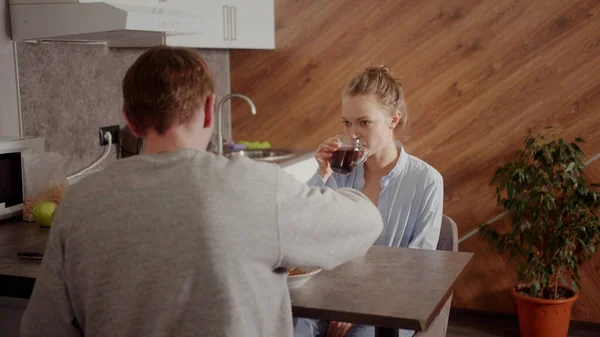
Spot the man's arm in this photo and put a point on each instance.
(49, 312)
(322, 227)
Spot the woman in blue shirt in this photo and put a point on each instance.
(407, 191)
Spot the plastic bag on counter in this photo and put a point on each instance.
(45, 179)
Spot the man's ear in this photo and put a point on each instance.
(132, 127)
(209, 110)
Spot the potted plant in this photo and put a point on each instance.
(554, 229)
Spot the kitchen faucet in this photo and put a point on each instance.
(220, 120)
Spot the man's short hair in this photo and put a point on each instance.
(165, 87)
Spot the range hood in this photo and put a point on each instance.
(126, 23)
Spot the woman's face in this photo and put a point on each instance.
(363, 117)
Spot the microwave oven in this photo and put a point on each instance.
(11, 173)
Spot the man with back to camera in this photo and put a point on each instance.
(182, 242)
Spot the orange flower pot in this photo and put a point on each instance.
(544, 318)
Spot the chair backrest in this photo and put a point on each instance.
(448, 235)
(448, 241)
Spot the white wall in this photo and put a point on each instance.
(9, 115)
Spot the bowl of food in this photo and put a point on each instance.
(297, 277)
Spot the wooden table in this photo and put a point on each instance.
(390, 288)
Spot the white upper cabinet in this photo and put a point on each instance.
(228, 24)
(252, 23)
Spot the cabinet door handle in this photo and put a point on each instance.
(233, 19)
(226, 22)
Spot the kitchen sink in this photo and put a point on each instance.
(262, 155)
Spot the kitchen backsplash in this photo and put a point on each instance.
(68, 91)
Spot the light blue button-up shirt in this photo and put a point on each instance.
(411, 204)
(411, 201)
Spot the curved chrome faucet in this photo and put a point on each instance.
(220, 120)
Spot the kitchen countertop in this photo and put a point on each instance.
(17, 276)
(298, 155)
(16, 234)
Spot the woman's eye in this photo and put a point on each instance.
(365, 123)
(346, 123)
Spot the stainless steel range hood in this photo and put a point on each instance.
(133, 24)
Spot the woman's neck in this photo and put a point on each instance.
(382, 162)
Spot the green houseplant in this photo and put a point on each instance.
(555, 228)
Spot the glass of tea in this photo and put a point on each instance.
(351, 153)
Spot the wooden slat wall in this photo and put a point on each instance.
(477, 75)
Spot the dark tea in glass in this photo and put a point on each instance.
(351, 153)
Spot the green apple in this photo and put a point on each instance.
(43, 212)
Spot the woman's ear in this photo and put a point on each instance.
(395, 119)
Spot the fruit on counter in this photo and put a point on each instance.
(43, 212)
(256, 145)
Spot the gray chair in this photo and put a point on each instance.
(449, 242)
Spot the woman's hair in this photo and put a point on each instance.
(380, 82)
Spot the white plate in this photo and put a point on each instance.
(297, 281)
